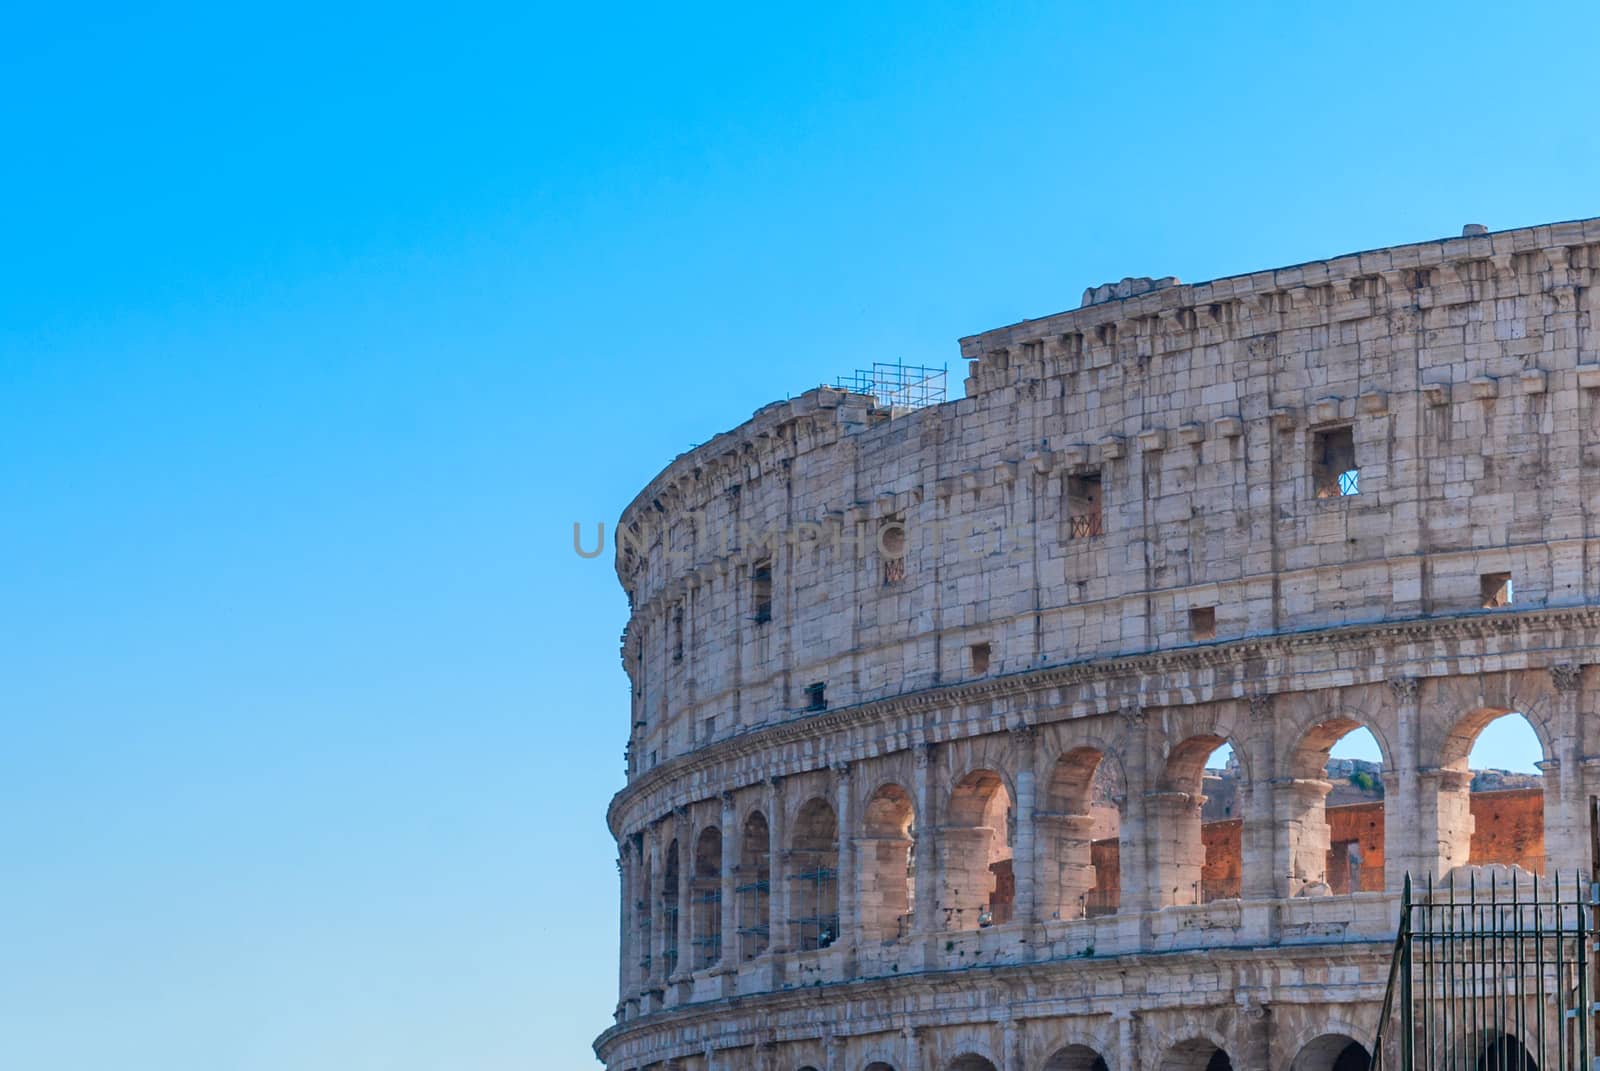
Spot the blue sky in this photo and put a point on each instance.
(320, 325)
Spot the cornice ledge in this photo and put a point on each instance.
(1471, 625)
(957, 979)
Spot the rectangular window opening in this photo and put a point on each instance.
(1084, 517)
(1334, 473)
(892, 545)
(979, 653)
(1203, 623)
(1495, 589)
(816, 696)
(761, 590)
(677, 633)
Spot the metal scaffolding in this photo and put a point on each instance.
(754, 907)
(899, 385)
(817, 922)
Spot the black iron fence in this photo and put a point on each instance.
(1491, 976)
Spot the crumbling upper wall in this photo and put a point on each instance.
(1464, 371)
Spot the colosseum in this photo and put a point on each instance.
(923, 698)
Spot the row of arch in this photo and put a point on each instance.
(1079, 840)
(1494, 1051)
(1328, 1052)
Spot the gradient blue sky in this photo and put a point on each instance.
(321, 324)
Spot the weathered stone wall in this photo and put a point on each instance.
(974, 683)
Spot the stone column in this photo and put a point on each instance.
(1013, 1056)
(1064, 873)
(1136, 858)
(1177, 853)
(1254, 1034)
(729, 923)
(777, 871)
(833, 1058)
(846, 881)
(624, 942)
(912, 1036)
(657, 937)
(1403, 818)
(1566, 811)
(1303, 832)
(1259, 831)
(926, 877)
(1444, 825)
(1024, 854)
(965, 880)
(685, 835)
(1127, 1040)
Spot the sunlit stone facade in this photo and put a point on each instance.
(922, 699)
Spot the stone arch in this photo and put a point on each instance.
(1448, 798)
(979, 767)
(1332, 1052)
(1194, 861)
(971, 1061)
(1077, 834)
(1196, 1054)
(1498, 1050)
(1075, 1058)
(753, 885)
(813, 876)
(1185, 763)
(1457, 741)
(1313, 857)
(885, 863)
(705, 897)
(976, 888)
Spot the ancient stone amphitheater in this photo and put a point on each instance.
(923, 698)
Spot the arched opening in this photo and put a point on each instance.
(669, 911)
(976, 887)
(1199, 853)
(1077, 833)
(1502, 1052)
(706, 893)
(644, 925)
(1196, 1054)
(1333, 808)
(814, 877)
(1490, 799)
(1076, 1058)
(971, 1061)
(886, 865)
(1332, 1052)
(754, 886)
(878, 1065)
(1508, 799)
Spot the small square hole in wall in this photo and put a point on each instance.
(1203, 623)
(1495, 589)
(979, 653)
(1333, 463)
(816, 696)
